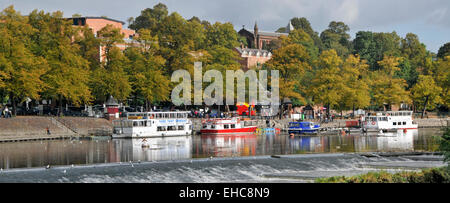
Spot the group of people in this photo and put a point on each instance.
(5, 112)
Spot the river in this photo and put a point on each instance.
(101, 150)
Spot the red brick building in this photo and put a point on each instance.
(255, 55)
(257, 39)
(97, 23)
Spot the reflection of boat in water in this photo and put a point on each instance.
(385, 142)
(155, 149)
(225, 145)
(395, 141)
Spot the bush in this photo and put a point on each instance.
(444, 145)
(435, 175)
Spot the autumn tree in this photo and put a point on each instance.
(328, 84)
(20, 70)
(68, 77)
(386, 89)
(356, 90)
(426, 93)
(111, 78)
(146, 70)
(292, 62)
(441, 75)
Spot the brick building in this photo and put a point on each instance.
(252, 58)
(97, 23)
(255, 55)
(257, 39)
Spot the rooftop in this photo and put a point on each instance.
(94, 17)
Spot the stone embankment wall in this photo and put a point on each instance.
(34, 127)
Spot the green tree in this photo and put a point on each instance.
(305, 25)
(373, 47)
(302, 38)
(150, 18)
(337, 38)
(426, 92)
(444, 50)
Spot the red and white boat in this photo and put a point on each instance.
(227, 126)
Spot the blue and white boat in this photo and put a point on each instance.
(303, 127)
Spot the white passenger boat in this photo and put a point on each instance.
(391, 120)
(153, 124)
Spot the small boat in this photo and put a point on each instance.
(303, 127)
(227, 126)
(389, 121)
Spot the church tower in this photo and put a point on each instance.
(256, 34)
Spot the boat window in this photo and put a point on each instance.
(213, 127)
(190, 127)
(171, 128)
(395, 123)
(205, 126)
(181, 127)
(404, 123)
(226, 126)
(233, 126)
(135, 123)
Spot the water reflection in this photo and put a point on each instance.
(66, 152)
(386, 142)
(152, 149)
(227, 145)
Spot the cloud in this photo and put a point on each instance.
(381, 15)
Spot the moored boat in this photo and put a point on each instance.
(303, 127)
(153, 124)
(390, 120)
(227, 126)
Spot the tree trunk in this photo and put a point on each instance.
(425, 106)
(13, 102)
(60, 112)
(353, 114)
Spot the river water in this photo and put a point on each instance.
(86, 152)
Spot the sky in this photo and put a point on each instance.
(429, 19)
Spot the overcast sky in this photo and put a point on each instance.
(429, 19)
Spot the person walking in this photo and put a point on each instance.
(6, 112)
